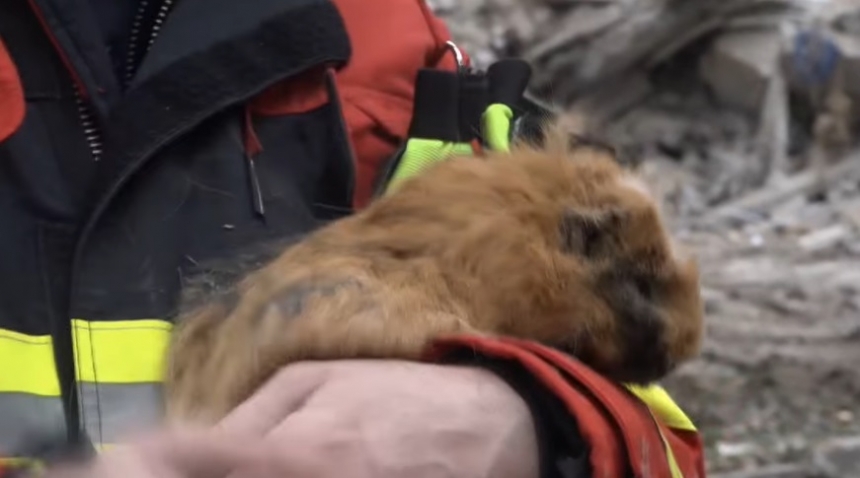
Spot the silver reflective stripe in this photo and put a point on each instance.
(110, 411)
(26, 418)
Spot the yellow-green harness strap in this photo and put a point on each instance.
(420, 154)
(496, 126)
(452, 110)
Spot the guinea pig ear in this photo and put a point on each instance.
(585, 233)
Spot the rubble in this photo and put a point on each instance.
(703, 95)
(739, 65)
(777, 471)
(839, 458)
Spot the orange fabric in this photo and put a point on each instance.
(619, 428)
(12, 105)
(391, 40)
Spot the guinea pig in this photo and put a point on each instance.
(556, 244)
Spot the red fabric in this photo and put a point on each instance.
(618, 427)
(12, 106)
(391, 40)
(690, 451)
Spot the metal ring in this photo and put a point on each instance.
(458, 55)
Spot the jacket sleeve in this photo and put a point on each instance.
(563, 451)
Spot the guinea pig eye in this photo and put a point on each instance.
(646, 287)
(585, 233)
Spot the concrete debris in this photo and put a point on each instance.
(824, 238)
(778, 471)
(721, 103)
(736, 449)
(839, 458)
(738, 66)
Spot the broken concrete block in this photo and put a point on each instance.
(838, 458)
(739, 64)
(824, 238)
(774, 471)
(850, 68)
(850, 210)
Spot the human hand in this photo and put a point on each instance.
(362, 418)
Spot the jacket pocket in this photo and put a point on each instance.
(304, 153)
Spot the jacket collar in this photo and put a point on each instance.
(192, 27)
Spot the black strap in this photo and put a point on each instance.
(436, 106)
(474, 99)
(507, 81)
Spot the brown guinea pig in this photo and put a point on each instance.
(556, 244)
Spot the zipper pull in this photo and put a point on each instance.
(252, 149)
(256, 192)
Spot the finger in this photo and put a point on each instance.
(307, 443)
(207, 453)
(283, 394)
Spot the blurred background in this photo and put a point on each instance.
(743, 115)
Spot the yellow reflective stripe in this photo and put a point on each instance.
(37, 466)
(34, 466)
(28, 364)
(18, 462)
(662, 405)
(665, 409)
(128, 351)
(670, 456)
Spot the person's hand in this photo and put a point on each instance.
(171, 454)
(380, 419)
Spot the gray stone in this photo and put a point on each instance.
(739, 65)
(824, 238)
(775, 471)
(839, 458)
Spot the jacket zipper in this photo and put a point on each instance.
(138, 46)
(94, 138)
(63, 334)
(88, 122)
